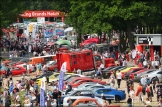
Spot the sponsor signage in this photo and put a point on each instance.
(143, 40)
(50, 13)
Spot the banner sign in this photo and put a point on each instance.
(61, 77)
(144, 40)
(50, 13)
(60, 32)
(42, 92)
(48, 33)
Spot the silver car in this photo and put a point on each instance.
(157, 73)
(84, 85)
(137, 77)
(95, 86)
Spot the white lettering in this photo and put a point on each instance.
(38, 14)
(52, 13)
(142, 38)
(140, 41)
(28, 14)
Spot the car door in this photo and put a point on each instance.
(87, 93)
(159, 75)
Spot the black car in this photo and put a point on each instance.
(107, 72)
(43, 75)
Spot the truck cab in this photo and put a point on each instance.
(84, 60)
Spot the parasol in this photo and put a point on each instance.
(63, 42)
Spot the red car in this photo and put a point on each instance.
(2, 72)
(18, 70)
(140, 71)
(53, 66)
(24, 60)
(76, 81)
(126, 75)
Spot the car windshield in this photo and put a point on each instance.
(70, 80)
(80, 86)
(150, 71)
(66, 77)
(77, 81)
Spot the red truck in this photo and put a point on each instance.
(84, 60)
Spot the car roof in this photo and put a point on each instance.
(67, 97)
(155, 72)
(82, 78)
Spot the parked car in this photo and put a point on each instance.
(43, 75)
(130, 72)
(127, 69)
(119, 94)
(74, 98)
(18, 70)
(107, 72)
(24, 60)
(89, 93)
(86, 102)
(52, 66)
(137, 75)
(157, 73)
(74, 82)
(85, 85)
(51, 77)
(96, 86)
(66, 77)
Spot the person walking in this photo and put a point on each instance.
(119, 77)
(139, 92)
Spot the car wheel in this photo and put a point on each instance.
(55, 70)
(117, 98)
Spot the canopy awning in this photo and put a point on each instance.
(68, 29)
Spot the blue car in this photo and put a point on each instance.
(119, 94)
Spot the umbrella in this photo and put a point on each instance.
(61, 42)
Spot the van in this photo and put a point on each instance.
(42, 59)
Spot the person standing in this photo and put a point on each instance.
(139, 92)
(129, 83)
(129, 101)
(119, 77)
(102, 66)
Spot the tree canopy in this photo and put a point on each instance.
(93, 16)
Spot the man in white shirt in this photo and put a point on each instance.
(119, 77)
(145, 63)
(79, 72)
(102, 66)
(156, 63)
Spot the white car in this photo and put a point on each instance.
(73, 98)
(84, 85)
(157, 73)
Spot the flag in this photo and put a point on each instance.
(61, 77)
(42, 92)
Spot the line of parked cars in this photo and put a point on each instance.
(134, 72)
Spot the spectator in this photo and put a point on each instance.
(68, 88)
(129, 83)
(149, 92)
(70, 102)
(132, 94)
(129, 101)
(139, 92)
(119, 77)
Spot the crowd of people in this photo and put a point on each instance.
(21, 47)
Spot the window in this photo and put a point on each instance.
(88, 54)
(47, 59)
(160, 72)
(75, 62)
(97, 58)
(74, 56)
